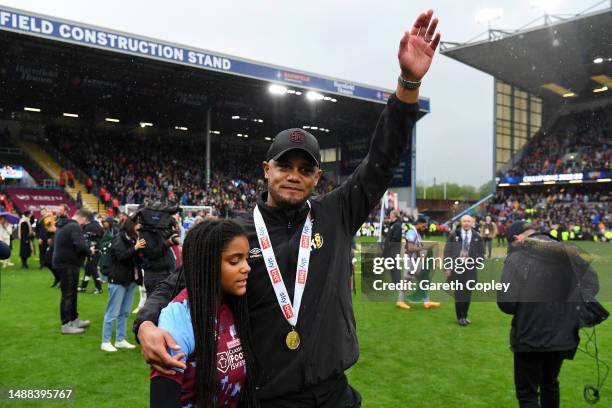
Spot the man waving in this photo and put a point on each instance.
(300, 304)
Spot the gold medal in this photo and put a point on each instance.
(292, 340)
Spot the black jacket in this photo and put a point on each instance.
(544, 276)
(41, 231)
(393, 241)
(69, 244)
(124, 260)
(93, 232)
(326, 322)
(106, 263)
(156, 257)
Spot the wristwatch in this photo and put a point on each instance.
(404, 83)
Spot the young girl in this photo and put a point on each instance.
(209, 321)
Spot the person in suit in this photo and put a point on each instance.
(463, 242)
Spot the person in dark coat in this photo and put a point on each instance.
(123, 275)
(543, 276)
(69, 251)
(79, 200)
(93, 233)
(25, 238)
(105, 264)
(463, 243)
(42, 235)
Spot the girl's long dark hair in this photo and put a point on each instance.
(202, 269)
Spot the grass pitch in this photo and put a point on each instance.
(415, 358)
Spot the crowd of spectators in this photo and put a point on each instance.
(576, 143)
(136, 169)
(561, 209)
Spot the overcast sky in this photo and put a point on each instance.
(350, 39)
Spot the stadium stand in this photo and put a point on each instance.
(581, 211)
(577, 142)
(134, 169)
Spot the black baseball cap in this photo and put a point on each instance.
(291, 139)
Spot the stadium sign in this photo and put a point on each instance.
(34, 200)
(75, 33)
(592, 176)
(553, 177)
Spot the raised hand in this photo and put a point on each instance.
(417, 47)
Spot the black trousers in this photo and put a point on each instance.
(396, 275)
(42, 252)
(91, 270)
(56, 275)
(488, 243)
(536, 375)
(333, 393)
(463, 297)
(68, 284)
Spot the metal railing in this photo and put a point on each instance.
(470, 208)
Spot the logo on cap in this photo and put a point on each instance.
(296, 137)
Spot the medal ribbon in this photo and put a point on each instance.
(290, 311)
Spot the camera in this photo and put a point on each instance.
(157, 217)
(92, 239)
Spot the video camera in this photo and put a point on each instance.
(92, 239)
(157, 217)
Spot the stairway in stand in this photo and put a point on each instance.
(53, 168)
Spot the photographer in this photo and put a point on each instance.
(105, 263)
(93, 233)
(123, 277)
(70, 247)
(544, 276)
(158, 232)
